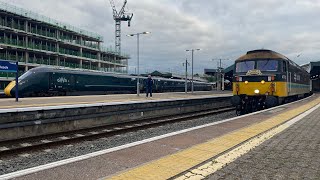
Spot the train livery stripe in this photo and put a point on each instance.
(8, 89)
(281, 88)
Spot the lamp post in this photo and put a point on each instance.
(186, 83)
(192, 50)
(138, 78)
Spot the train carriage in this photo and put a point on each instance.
(47, 81)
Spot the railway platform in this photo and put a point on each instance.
(280, 142)
(8, 103)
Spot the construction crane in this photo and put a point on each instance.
(118, 17)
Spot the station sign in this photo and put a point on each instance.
(7, 66)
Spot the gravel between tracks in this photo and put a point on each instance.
(68, 151)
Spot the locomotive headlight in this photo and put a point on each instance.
(257, 91)
(246, 82)
(262, 82)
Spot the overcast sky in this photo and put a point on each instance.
(223, 29)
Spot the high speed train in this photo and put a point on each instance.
(264, 78)
(48, 81)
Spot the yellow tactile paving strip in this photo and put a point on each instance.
(182, 161)
(215, 164)
(38, 102)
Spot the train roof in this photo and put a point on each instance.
(262, 54)
(100, 73)
(266, 54)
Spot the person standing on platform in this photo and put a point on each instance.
(149, 84)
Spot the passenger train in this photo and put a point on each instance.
(264, 78)
(47, 81)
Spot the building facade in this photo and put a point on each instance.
(35, 40)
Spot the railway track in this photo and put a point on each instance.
(13, 147)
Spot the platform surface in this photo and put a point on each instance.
(7, 103)
(175, 155)
(292, 154)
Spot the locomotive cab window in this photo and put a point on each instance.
(267, 65)
(244, 66)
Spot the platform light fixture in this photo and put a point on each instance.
(192, 50)
(138, 74)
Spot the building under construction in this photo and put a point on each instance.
(35, 40)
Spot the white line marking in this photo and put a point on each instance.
(3, 148)
(46, 141)
(47, 150)
(25, 144)
(93, 133)
(64, 138)
(23, 155)
(79, 135)
(98, 153)
(107, 130)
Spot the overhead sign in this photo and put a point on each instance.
(7, 66)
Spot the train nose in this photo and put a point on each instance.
(9, 90)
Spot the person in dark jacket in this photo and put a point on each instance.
(149, 84)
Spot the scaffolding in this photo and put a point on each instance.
(35, 16)
(51, 43)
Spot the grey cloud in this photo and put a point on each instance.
(223, 29)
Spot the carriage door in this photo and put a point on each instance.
(286, 68)
(51, 83)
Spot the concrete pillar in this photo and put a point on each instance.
(99, 55)
(26, 56)
(26, 68)
(81, 40)
(57, 34)
(57, 61)
(81, 63)
(26, 29)
(57, 47)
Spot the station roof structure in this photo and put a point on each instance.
(314, 70)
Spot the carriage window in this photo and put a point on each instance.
(244, 66)
(267, 65)
(26, 74)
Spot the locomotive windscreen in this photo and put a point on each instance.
(262, 65)
(267, 65)
(245, 66)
